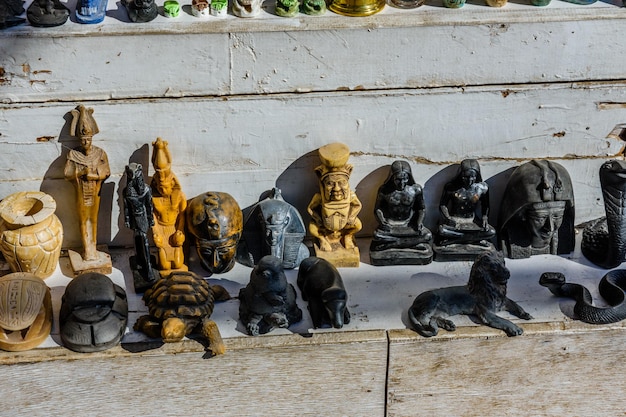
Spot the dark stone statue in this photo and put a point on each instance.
(537, 211)
(268, 301)
(47, 13)
(138, 216)
(216, 222)
(141, 11)
(9, 12)
(322, 286)
(401, 238)
(272, 227)
(464, 230)
(94, 313)
(482, 297)
(604, 239)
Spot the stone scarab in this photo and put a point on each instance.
(181, 304)
(94, 313)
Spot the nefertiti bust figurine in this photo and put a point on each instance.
(335, 208)
(537, 211)
(401, 238)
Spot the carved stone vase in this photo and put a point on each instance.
(30, 233)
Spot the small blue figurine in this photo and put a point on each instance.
(91, 11)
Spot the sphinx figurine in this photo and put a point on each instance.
(141, 11)
(335, 208)
(464, 230)
(246, 8)
(47, 13)
(604, 239)
(401, 238)
(169, 203)
(268, 301)
(87, 167)
(138, 216)
(216, 222)
(272, 227)
(537, 211)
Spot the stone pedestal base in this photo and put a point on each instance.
(140, 281)
(421, 255)
(340, 256)
(101, 265)
(461, 252)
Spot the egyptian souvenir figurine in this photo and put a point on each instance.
(604, 239)
(335, 208)
(246, 8)
(9, 12)
(181, 304)
(87, 167)
(313, 7)
(216, 222)
(322, 286)
(268, 301)
(272, 227)
(537, 211)
(94, 313)
(464, 230)
(219, 8)
(200, 8)
(91, 11)
(47, 13)
(409, 4)
(169, 203)
(25, 311)
(482, 297)
(141, 11)
(401, 238)
(287, 8)
(30, 233)
(138, 216)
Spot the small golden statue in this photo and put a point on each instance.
(87, 167)
(335, 208)
(170, 203)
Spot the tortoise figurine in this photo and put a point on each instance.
(181, 304)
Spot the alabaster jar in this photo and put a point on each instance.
(30, 233)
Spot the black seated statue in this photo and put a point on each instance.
(94, 313)
(464, 230)
(141, 11)
(401, 238)
(272, 227)
(138, 215)
(322, 286)
(9, 12)
(604, 239)
(268, 301)
(537, 211)
(47, 13)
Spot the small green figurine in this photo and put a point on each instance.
(314, 7)
(287, 8)
(219, 8)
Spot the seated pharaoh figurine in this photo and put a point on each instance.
(335, 208)
(273, 227)
(464, 230)
(216, 221)
(537, 211)
(401, 237)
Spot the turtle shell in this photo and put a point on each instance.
(181, 294)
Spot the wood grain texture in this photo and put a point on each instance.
(537, 374)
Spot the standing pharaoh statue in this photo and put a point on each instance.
(87, 167)
(169, 210)
(335, 208)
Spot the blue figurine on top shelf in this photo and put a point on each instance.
(91, 11)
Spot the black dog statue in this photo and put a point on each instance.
(322, 286)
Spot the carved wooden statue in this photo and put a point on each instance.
(464, 230)
(537, 211)
(216, 221)
(273, 227)
(169, 202)
(335, 208)
(87, 167)
(401, 238)
(138, 215)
